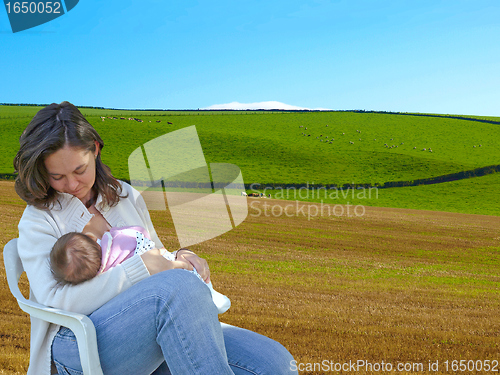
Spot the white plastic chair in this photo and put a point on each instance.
(81, 325)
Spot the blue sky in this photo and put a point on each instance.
(418, 56)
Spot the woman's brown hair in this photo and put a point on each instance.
(52, 128)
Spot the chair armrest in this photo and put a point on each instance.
(81, 325)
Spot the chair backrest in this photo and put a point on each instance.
(13, 268)
(81, 325)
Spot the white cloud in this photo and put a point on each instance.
(260, 105)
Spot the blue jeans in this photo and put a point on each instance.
(168, 324)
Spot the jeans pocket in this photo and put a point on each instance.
(63, 370)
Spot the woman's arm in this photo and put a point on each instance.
(156, 262)
(38, 232)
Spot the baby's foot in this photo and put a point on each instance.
(220, 300)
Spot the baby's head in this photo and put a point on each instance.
(75, 258)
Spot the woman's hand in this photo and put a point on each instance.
(155, 262)
(201, 265)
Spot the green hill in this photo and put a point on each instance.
(295, 147)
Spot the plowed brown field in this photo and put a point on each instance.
(389, 286)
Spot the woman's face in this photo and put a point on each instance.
(72, 170)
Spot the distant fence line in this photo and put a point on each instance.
(430, 115)
(186, 184)
(477, 172)
(44, 105)
(7, 176)
(272, 110)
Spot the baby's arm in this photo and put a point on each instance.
(163, 252)
(155, 265)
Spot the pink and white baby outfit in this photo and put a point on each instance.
(119, 244)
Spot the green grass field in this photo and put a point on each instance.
(397, 285)
(269, 148)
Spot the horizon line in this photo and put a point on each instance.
(253, 110)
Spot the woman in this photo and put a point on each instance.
(150, 317)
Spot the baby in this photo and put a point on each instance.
(78, 257)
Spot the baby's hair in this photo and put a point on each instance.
(75, 258)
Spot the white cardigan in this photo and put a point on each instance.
(39, 230)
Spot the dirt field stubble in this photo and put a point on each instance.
(392, 285)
